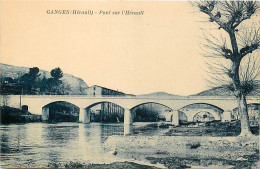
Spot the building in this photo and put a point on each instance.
(102, 91)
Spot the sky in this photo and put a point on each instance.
(137, 54)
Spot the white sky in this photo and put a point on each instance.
(158, 51)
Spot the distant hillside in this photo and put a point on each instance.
(223, 91)
(77, 85)
(158, 94)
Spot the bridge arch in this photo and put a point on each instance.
(60, 111)
(149, 103)
(151, 111)
(192, 109)
(253, 113)
(203, 116)
(182, 117)
(99, 102)
(102, 111)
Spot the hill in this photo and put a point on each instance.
(223, 91)
(77, 85)
(158, 94)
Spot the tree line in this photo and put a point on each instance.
(30, 83)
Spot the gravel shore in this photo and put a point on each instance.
(188, 151)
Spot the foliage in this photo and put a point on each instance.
(54, 83)
(44, 85)
(56, 73)
(29, 81)
(5, 100)
(193, 145)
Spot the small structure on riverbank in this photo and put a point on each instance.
(14, 115)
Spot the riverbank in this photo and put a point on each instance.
(35, 145)
(170, 162)
(211, 129)
(188, 151)
(124, 164)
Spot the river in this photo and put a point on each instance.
(39, 144)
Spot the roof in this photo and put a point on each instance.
(108, 89)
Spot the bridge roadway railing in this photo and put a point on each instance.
(145, 97)
(129, 102)
(14, 100)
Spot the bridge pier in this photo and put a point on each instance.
(128, 129)
(190, 116)
(128, 122)
(84, 115)
(168, 116)
(175, 117)
(128, 118)
(45, 113)
(81, 114)
(226, 116)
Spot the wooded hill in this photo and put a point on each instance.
(74, 85)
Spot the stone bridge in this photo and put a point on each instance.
(37, 104)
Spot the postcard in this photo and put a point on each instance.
(129, 84)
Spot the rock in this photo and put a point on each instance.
(241, 159)
(114, 153)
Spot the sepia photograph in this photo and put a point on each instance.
(129, 84)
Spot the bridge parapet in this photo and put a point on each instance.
(141, 97)
(36, 102)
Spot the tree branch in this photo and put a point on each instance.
(207, 9)
(227, 53)
(250, 8)
(240, 20)
(248, 49)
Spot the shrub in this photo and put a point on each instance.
(193, 145)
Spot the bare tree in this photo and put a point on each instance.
(231, 55)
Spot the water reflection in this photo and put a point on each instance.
(90, 142)
(109, 129)
(62, 134)
(38, 144)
